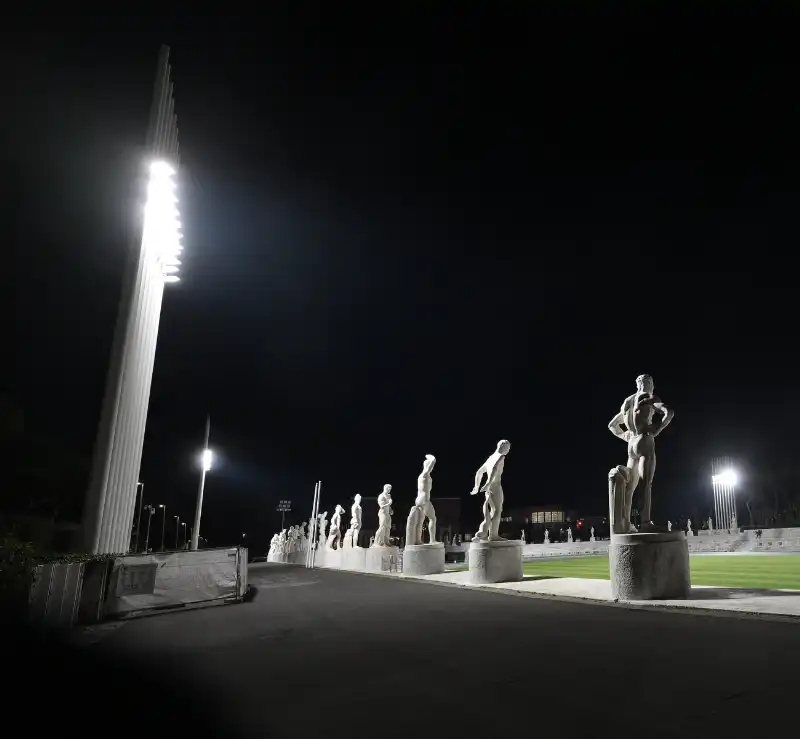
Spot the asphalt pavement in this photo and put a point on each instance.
(321, 652)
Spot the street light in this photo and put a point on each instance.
(163, 523)
(140, 490)
(151, 511)
(206, 459)
(724, 480)
(177, 528)
(184, 535)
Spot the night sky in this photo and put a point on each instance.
(416, 233)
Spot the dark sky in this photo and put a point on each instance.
(417, 232)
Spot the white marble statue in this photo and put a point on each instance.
(351, 535)
(522, 537)
(335, 535)
(546, 536)
(634, 424)
(282, 539)
(384, 532)
(322, 524)
(591, 534)
(493, 505)
(710, 524)
(273, 546)
(422, 508)
(669, 525)
(569, 534)
(689, 531)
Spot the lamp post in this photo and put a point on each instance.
(163, 522)
(151, 511)
(177, 528)
(283, 507)
(140, 486)
(724, 483)
(205, 463)
(184, 535)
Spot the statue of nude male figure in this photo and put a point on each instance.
(634, 424)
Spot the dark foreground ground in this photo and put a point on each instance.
(322, 653)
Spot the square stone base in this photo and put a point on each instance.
(382, 559)
(354, 558)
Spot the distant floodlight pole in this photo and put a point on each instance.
(177, 529)
(283, 507)
(152, 261)
(724, 480)
(206, 458)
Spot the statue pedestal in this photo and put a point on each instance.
(649, 566)
(331, 558)
(495, 561)
(382, 559)
(423, 559)
(354, 558)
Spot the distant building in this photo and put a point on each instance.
(535, 519)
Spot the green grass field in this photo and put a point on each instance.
(735, 571)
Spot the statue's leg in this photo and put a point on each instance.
(633, 481)
(497, 503)
(420, 524)
(431, 512)
(647, 469)
(485, 527)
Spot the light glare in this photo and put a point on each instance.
(726, 477)
(206, 459)
(162, 219)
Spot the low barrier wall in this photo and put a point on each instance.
(147, 582)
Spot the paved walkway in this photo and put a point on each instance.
(329, 652)
(784, 603)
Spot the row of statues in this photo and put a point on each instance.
(634, 424)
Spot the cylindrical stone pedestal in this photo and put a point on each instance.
(423, 559)
(495, 561)
(652, 566)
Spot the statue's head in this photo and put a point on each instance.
(503, 446)
(357, 499)
(430, 460)
(387, 489)
(645, 384)
(339, 509)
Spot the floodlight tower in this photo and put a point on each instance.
(724, 481)
(153, 261)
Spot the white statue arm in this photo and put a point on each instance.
(616, 426)
(666, 416)
(478, 477)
